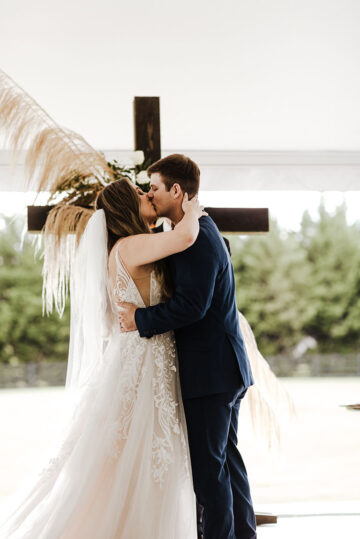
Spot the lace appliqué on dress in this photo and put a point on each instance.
(163, 390)
(133, 349)
(167, 417)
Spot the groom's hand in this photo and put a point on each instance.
(127, 316)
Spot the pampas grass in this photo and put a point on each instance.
(268, 403)
(55, 157)
(67, 219)
(63, 229)
(54, 153)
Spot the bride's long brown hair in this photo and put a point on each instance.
(121, 205)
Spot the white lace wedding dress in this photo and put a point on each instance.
(121, 468)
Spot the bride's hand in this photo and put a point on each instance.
(193, 206)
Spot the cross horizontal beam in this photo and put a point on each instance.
(240, 220)
(232, 220)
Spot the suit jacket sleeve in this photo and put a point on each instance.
(195, 275)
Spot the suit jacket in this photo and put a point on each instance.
(203, 314)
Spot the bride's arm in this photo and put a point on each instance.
(146, 248)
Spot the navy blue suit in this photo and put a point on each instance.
(214, 374)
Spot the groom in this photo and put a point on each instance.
(214, 368)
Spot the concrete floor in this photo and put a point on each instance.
(312, 520)
(318, 458)
(312, 481)
(327, 527)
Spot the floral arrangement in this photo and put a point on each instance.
(82, 190)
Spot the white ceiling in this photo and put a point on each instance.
(240, 74)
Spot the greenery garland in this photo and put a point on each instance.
(82, 190)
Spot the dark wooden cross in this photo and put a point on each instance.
(147, 139)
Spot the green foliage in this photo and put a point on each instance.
(25, 335)
(272, 277)
(333, 253)
(77, 189)
(83, 190)
(294, 284)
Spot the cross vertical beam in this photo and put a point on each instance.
(147, 127)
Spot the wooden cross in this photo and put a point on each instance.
(147, 139)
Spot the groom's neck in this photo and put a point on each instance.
(176, 215)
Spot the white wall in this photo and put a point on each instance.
(235, 74)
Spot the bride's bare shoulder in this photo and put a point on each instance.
(124, 247)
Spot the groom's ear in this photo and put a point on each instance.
(177, 191)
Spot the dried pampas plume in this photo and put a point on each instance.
(267, 402)
(54, 153)
(63, 229)
(54, 157)
(66, 218)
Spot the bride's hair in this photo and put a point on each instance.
(121, 205)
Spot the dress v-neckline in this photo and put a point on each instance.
(119, 261)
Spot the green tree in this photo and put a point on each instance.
(307, 283)
(26, 335)
(272, 275)
(333, 253)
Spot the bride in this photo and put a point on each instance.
(121, 466)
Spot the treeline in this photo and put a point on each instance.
(289, 285)
(306, 283)
(25, 335)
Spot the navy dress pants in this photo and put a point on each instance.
(220, 480)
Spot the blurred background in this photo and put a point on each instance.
(265, 97)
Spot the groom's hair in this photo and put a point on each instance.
(177, 168)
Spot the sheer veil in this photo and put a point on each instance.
(45, 497)
(90, 321)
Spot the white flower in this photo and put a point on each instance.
(137, 157)
(142, 177)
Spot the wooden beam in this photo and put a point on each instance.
(232, 220)
(147, 127)
(265, 518)
(240, 220)
(36, 217)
